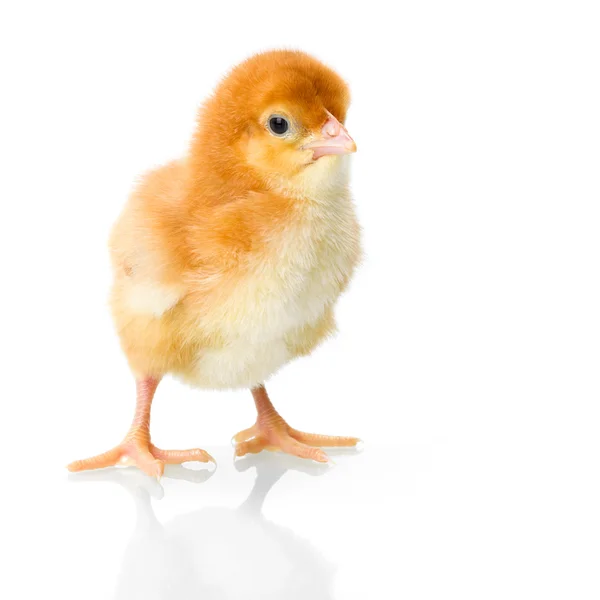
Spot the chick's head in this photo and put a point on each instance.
(279, 116)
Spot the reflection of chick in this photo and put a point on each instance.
(219, 553)
(228, 262)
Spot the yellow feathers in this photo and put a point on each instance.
(228, 263)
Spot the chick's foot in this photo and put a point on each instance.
(136, 449)
(142, 454)
(271, 432)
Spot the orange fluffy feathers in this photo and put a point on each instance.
(228, 262)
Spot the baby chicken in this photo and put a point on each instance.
(227, 263)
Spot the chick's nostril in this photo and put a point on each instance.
(331, 128)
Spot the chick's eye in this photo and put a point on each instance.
(278, 125)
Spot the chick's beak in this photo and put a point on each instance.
(334, 140)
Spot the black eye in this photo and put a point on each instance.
(278, 125)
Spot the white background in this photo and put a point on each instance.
(469, 341)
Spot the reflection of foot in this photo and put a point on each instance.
(271, 432)
(140, 452)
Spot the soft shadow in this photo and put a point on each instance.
(218, 553)
(138, 484)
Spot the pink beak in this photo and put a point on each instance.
(334, 140)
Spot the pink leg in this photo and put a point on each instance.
(271, 432)
(136, 448)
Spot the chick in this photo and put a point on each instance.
(227, 263)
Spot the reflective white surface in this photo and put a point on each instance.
(390, 522)
(468, 340)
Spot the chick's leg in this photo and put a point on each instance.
(271, 432)
(136, 448)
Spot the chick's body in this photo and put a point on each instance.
(238, 296)
(228, 262)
